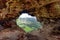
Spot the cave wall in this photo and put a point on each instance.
(46, 11)
(38, 8)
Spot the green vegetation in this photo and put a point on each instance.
(28, 24)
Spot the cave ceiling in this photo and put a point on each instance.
(10, 9)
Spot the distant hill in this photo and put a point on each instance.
(31, 22)
(28, 23)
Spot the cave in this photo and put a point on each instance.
(47, 13)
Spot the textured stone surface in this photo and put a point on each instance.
(46, 11)
(12, 8)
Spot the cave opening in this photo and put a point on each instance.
(28, 22)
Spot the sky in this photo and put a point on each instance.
(26, 15)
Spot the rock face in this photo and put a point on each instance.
(38, 8)
(9, 34)
(46, 11)
(41, 8)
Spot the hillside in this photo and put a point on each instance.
(28, 23)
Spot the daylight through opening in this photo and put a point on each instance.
(27, 22)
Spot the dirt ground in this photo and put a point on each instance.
(16, 33)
